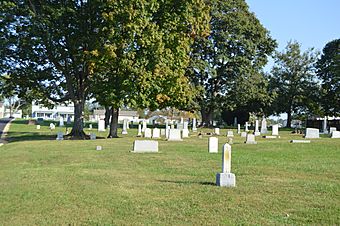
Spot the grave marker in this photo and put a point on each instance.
(60, 136)
(335, 134)
(226, 178)
(264, 126)
(101, 125)
(275, 130)
(185, 133)
(61, 122)
(139, 134)
(312, 133)
(147, 133)
(230, 133)
(213, 145)
(250, 139)
(156, 133)
(238, 128)
(140, 146)
(175, 135)
(194, 128)
(217, 131)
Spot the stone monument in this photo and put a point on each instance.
(226, 178)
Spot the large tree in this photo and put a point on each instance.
(328, 70)
(293, 79)
(54, 47)
(226, 66)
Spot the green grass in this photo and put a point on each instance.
(49, 182)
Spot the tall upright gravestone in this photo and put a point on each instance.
(226, 178)
(264, 126)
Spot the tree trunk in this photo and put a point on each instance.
(107, 116)
(207, 116)
(114, 123)
(289, 119)
(78, 126)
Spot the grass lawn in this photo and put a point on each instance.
(49, 182)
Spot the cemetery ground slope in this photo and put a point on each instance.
(49, 182)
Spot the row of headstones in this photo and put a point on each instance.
(170, 134)
(314, 133)
(223, 179)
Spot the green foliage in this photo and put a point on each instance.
(293, 79)
(226, 66)
(328, 70)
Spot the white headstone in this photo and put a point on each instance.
(185, 133)
(145, 146)
(299, 141)
(230, 133)
(144, 126)
(156, 133)
(246, 129)
(61, 121)
(226, 178)
(38, 126)
(147, 133)
(175, 135)
(217, 131)
(335, 134)
(139, 134)
(127, 124)
(60, 136)
(324, 125)
(331, 129)
(250, 139)
(270, 137)
(93, 136)
(162, 132)
(99, 148)
(167, 131)
(238, 128)
(172, 126)
(264, 126)
(243, 134)
(275, 130)
(90, 126)
(194, 128)
(213, 145)
(312, 133)
(182, 120)
(180, 126)
(52, 126)
(185, 125)
(257, 126)
(124, 131)
(101, 125)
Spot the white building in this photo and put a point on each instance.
(65, 111)
(2, 110)
(131, 116)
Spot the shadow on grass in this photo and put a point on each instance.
(188, 182)
(28, 136)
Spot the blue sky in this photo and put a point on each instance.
(312, 23)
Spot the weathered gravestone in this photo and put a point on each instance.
(145, 146)
(335, 134)
(250, 139)
(139, 134)
(61, 122)
(243, 134)
(256, 131)
(230, 133)
(180, 126)
(312, 133)
(60, 136)
(99, 148)
(324, 126)
(156, 133)
(213, 145)
(147, 133)
(246, 129)
(144, 126)
(226, 178)
(264, 126)
(101, 125)
(238, 128)
(331, 129)
(124, 130)
(275, 130)
(299, 141)
(185, 133)
(175, 135)
(194, 127)
(217, 131)
(270, 137)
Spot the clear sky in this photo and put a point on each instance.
(313, 23)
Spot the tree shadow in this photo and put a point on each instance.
(188, 182)
(28, 136)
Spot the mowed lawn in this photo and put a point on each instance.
(49, 182)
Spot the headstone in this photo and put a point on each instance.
(60, 136)
(299, 141)
(217, 131)
(246, 129)
(182, 120)
(68, 120)
(93, 136)
(99, 148)
(172, 126)
(250, 139)
(52, 126)
(139, 133)
(270, 137)
(230, 133)
(275, 130)
(145, 146)
(124, 131)
(331, 129)
(175, 135)
(163, 132)
(127, 124)
(180, 126)
(38, 126)
(335, 134)
(264, 126)
(185, 133)
(235, 121)
(61, 122)
(230, 140)
(166, 124)
(324, 125)
(194, 128)
(238, 128)
(90, 127)
(156, 133)
(213, 145)
(226, 178)
(101, 125)
(312, 133)
(185, 125)
(144, 126)
(167, 131)
(244, 134)
(147, 133)
(256, 131)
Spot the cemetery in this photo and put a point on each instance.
(203, 181)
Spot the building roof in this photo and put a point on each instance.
(121, 113)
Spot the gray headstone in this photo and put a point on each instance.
(270, 137)
(250, 139)
(331, 129)
(264, 126)
(185, 125)
(163, 132)
(213, 145)
(256, 126)
(243, 134)
(145, 146)
(60, 136)
(144, 126)
(312, 133)
(90, 126)
(226, 178)
(230, 133)
(324, 126)
(246, 129)
(93, 136)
